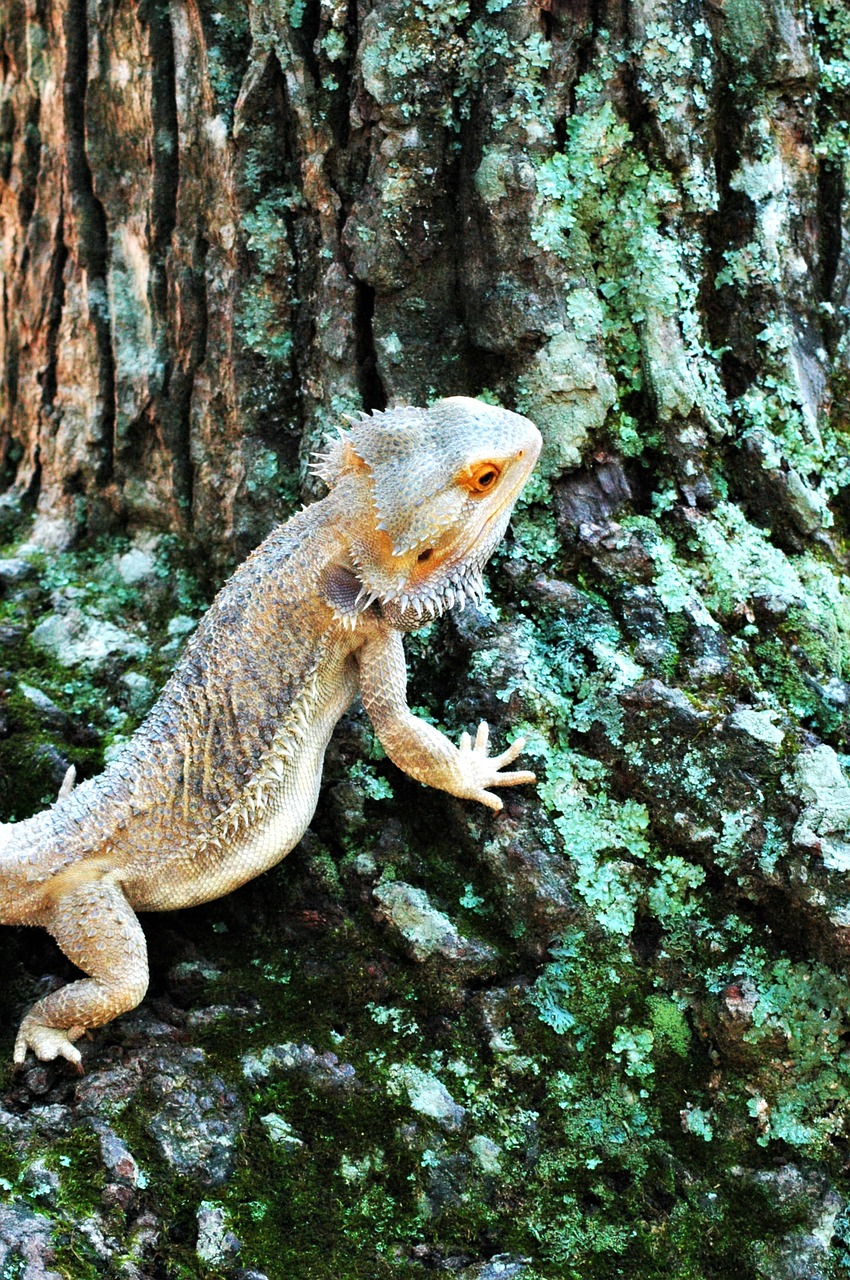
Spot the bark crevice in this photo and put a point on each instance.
(831, 196)
(370, 385)
(91, 228)
(55, 304)
(166, 158)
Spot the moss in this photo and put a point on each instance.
(85, 719)
(75, 1160)
(342, 1204)
(81, 1175)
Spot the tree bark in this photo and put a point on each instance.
(223, 226)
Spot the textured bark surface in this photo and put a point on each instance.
(604, 1033)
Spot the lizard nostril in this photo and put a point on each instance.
(425, 555)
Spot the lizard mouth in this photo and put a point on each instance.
(440, 578)
(458, 580)
(403, 604)
(462, 580)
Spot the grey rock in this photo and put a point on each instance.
(53, 761)
(195, 972)
(196, 1119)
(427, 1095)
(214, 1013)
(824, 822)
(117, 1157)
(14, 571)
(76, 639)
(130, 1271)
(758, 725)
(535, 882)
(11, 509)
(106, 1093)
(53, 1120)
(181, 625)
(426, 931)
(593, 497)
(25, 1246)
(711, 651)
(502, 1266)
(216, 1244)
(281, 1133)
(324, 1070)
(495, 1009)
(140, 691)
(35, 1078)
(486, 1152)
(559, 596)
(101, 1245)
(646, 622)
(42, 1183)
(47, 709)
(805, 1254)
(653, 693)
(11, 633)
(139, 564)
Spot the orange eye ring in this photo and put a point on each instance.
(480, 478)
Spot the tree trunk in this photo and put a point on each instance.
(222, 226)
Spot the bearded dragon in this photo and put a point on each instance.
(222, 778)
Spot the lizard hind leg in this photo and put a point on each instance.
(97, 929)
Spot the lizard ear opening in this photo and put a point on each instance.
(342, 588)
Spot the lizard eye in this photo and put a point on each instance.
(481, 477)
(425, 555)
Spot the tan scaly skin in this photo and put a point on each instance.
(222, 778)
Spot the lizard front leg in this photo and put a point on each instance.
(416, 746)
(97, 929)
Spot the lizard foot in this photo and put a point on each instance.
(47, 1043)
(482, 771)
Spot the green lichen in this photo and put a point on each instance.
(260, 327)
(796, 1086)
(832, 34)
(227, 52)
(604, 208)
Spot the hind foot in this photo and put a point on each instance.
(47, 1043)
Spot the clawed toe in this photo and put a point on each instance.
(483, 771)
(47, 1043)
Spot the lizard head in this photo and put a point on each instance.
(431, 492)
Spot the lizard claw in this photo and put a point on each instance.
(482, 771)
